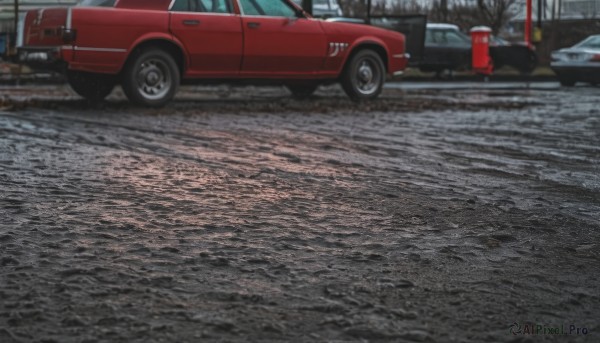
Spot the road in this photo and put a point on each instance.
(431, 215)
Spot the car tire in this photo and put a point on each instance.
(93, 87)
(364, 76)
(531, 64)
(151, 78)
(567, 82)
(302, 91)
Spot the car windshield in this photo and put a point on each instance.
(592, 42)
(98, 3)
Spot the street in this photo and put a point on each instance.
(435, 214)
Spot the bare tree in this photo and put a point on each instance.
(307, 5)
(495, 13)
(354, 8)
(444, 10)
(464, 13)
(16, 6)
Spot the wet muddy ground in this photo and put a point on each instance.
(241, 215)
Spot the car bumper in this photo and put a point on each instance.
(577, 71)
(398, 64)
(51, 58)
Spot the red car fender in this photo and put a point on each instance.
(157, 37)
(366, 41)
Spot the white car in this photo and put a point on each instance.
(579, 63)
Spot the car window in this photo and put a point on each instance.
(98, 3)
(211, 6)
(271, 8)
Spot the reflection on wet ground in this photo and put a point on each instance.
(240, 214)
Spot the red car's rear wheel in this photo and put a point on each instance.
(151, 78)
(93, 87)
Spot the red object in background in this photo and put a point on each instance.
(480, 42)
(528, 23)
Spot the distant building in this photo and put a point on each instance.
(563, 10)
(580, 9)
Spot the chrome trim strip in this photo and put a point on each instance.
(171, 5)
(39, 17)
(204, 13)
(336, 48)
(240, 7)
(79, 48)
(69, 18)
(268, 16)
(398, 73)
(402, 56)
(21, 31)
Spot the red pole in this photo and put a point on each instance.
(528, 23)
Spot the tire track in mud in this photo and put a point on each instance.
(209, 220)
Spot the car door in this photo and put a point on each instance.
(212, 36)
(278, 41)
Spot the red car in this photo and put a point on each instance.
(150, 46)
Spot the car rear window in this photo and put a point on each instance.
(98, 3)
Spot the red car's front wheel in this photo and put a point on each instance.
(363, 76)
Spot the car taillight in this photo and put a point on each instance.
(595, 58)
(68, 35)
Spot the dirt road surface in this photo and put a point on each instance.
(241, 215)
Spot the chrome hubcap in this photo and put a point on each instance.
(154, 79)
(368, 77)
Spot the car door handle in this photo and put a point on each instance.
(191, 22)
(253, 25)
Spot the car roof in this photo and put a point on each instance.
(442, 26)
